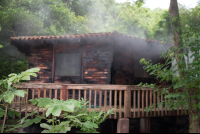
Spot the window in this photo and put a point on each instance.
(68, 64)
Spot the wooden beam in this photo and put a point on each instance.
(64, 93)
(53, 66)
(81, 86)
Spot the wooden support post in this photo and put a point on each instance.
(73, 94)
(56, 93)
(123, 125)
(110, 101)
(33, 97)
(115, 105)
(64, 92)
(105, 101)
(134, 104)
(95, 99)
(100, 100)
(120, 104)
(138, 103)
(53, 66)
(79, 94)
(127, 98)
(145, 125)
(143, 103)
(90, 98)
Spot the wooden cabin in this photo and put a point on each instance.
(100, 67)
(97, 58)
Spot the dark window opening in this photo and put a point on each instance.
(140, 72)
(68, 64)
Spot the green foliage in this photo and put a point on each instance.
(92, 120)
(146, 85)
(11, 64)
(75, 113)
(20, 123)
(184, 75)
(8, 91)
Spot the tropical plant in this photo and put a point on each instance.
(75, 113)
(93, 116)
(8, 91)
(185, 73)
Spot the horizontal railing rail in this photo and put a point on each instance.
(127, 100)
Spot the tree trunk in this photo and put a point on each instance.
(194, 125)
(173, 9)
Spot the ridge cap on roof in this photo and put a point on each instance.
(113, 33)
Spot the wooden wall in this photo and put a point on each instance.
(95, 60)
(123, 65)
(104, 60)
(41, 57)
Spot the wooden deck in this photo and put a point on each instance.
(128, 100)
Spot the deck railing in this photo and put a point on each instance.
(128, 100)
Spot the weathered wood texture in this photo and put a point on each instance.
(122, 105)
(95, 61)
(41, 57)
(123, 64)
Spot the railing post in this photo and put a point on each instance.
(64, 92)
(127, 103)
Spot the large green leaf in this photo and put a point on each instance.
(19, 93)
(45, 131)
(28, 114)
(57, 128)
(49, 111)
(2, 112)
(66, 129)
(90, 125)
(25, 78)
(27, 123)
(10, 113)
(1, 96)
(33, 70)
(56, 111)
(31, 74)
(9, 97)
(16, 113)
(44, 125)
(72, 101)
(1, 82)
(34, 101)
(68, 107)
(37, 120)
(43, 102)
(7, 85)
(65, 123)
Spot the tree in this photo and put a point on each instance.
(185, 79)
(194, 101)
